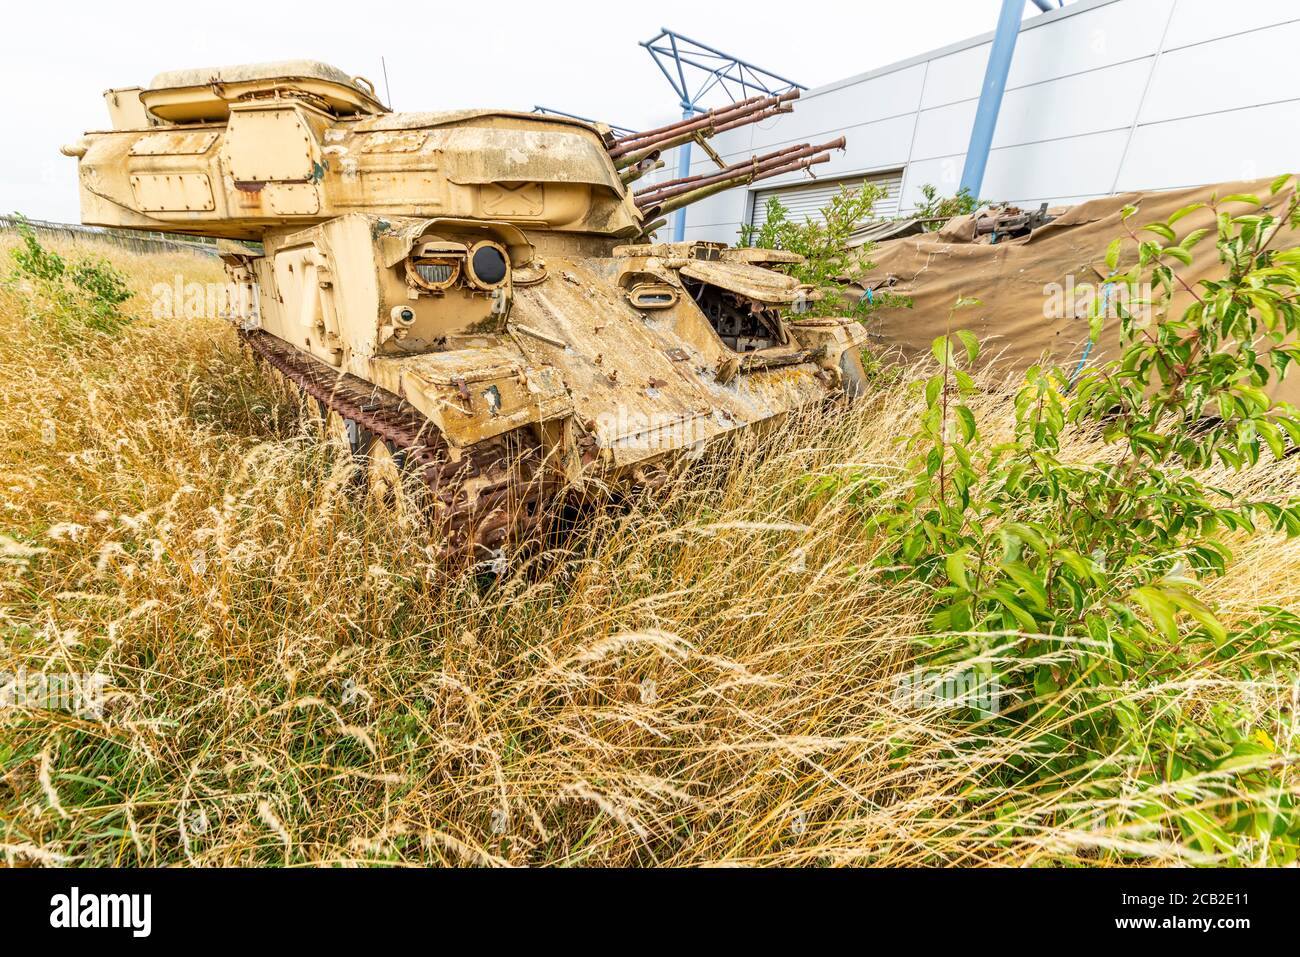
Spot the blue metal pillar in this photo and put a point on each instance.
(683, 170)
(995, 84)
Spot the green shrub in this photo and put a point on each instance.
(84, 293)
(1073, 586)
(825, 245)
(937, 210)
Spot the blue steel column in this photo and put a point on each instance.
(995, 84)
(683, 170)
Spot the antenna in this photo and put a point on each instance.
(617, 130)
(695, 70)
(388, 93)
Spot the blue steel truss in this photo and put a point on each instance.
(697, 71)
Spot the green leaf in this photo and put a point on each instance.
(1273, 436)
(1023, 532)
(1208, 835)
(942, 350)
(1095, 325)
(1162, 230)
(971, 343)
(1007, 599)
(955, 564)
(1185, 211)
(1201, 613)
(1266, 311)
(1112, 254)
(932, 389)
(1245, 754)
(1159, 608)
(967, 420)
(1250, 198)
(1044, 684)
(1255, 399)
(1081, 566)
(1030, 584)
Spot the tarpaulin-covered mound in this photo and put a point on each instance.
(1036, 291)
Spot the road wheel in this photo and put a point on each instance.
(345, 432)
(385, 478)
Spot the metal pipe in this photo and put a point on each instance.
(624, 160)
(1045, 5)
(753, 118)
(755, 164)
(630, 176)
(995, 85)
(656, 149)
(683, 200)
(701, 121)
(650, 228)
(696, 120)
(658, 132)
(703, 179)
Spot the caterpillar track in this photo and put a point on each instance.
(481, 500)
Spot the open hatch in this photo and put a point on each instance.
(743, 302)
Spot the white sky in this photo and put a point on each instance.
(582, 57)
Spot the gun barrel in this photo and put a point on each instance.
(655, 149)
(651, 228)
(674, 203)
(627, 159)
(636, 171)
(675, 126)
(705, 124)
(753, 118)
(752, 167)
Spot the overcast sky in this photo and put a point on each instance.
(581, 57)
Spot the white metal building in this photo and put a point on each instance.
(1104, 96)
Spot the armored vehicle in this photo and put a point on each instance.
(474, 298)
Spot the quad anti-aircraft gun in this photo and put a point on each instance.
(473, 298)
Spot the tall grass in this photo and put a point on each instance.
(706, 675)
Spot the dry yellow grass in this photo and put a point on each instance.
(704, 677)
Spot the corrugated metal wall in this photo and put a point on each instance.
(806, 201)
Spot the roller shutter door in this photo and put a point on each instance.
(806, 200)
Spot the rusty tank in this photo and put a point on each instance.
(473, 298)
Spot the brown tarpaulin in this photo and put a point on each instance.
(1035, 290)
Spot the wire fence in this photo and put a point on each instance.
(141, 242)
